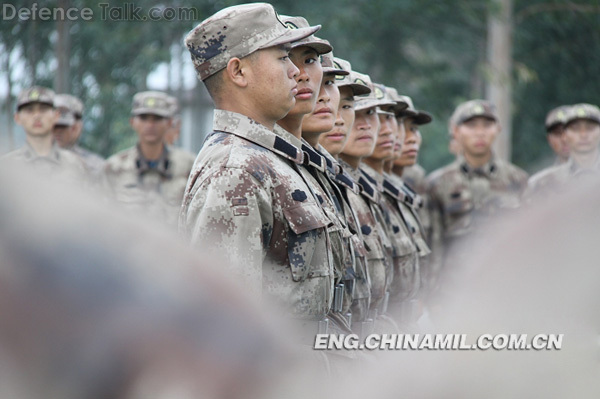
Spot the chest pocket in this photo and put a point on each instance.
(458, 212)
(307, 242)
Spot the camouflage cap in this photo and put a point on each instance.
(556, 117)
(330, 67)
(74, 104)
(582, 111)
(419, 117)
(35, 94)
(319, 45)
(238, 31)
(173, 105)
(472, 109)
(392, 94)
(151, 102)
(358, 89)
(375, 98)
(62, 103)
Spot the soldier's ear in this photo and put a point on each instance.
(236, 72)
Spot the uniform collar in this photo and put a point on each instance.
(575, 168)
(161, 165)
(247, 128)
(30, 155)
(337, 172)
(374, 177)
(488, 170)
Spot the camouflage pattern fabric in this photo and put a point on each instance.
(246, 198)
(462, 199)
(554, 179)
(59, 163)
(153, 187)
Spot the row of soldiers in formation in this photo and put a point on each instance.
(308, 184)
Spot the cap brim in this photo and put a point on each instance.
(423, 118)
(335, 71)
(151, 111)
(292, 35)
(51, 103)
(357, 90)
(319, 47)
(361, 104)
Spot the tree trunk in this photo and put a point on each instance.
(499, 87)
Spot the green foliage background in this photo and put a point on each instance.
(432, 50)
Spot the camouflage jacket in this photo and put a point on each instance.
(153, 187)
(462, 199)
(414, 177)
(356, 279)
(94, 163)
(551, 180)
(247, 198)
(59, 163)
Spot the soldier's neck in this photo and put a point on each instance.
(152, 151)
(586, 160)
(354, 162)
(311, 138)
(388, 166)
(398, 170)
(293, 124)
(376, 164)
(477, 161)
(42, 145)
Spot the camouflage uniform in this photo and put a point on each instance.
(247, 197)
(155, 187)
(59, 163)
(551, 180)
(461, 198)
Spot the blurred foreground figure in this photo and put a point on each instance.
(538, 274)
(94, 304)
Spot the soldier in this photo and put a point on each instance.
(412, 204)
(67, 135)
(555, 128)
(582, 136)
(360, 144)
(37, 115)
(245, 195)
(150, 176)
(405, 253)
(332, 142)
(473, 188)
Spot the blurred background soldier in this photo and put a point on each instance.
(475, 187)
(555, 128)
(67, 133)
(150, 176)
(37, 115)
(582, 136)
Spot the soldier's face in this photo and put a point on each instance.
(363, 135)
(37, 119)
(477, 135)
(583, 136)
(558, 142)
(65, 136)
(335, 140)
(384, 146)
(151, 129)
(323, 117)
(412, 143)
(309, 79)
(272, 81)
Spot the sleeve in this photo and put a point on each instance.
(437, 234)
(226, 216)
